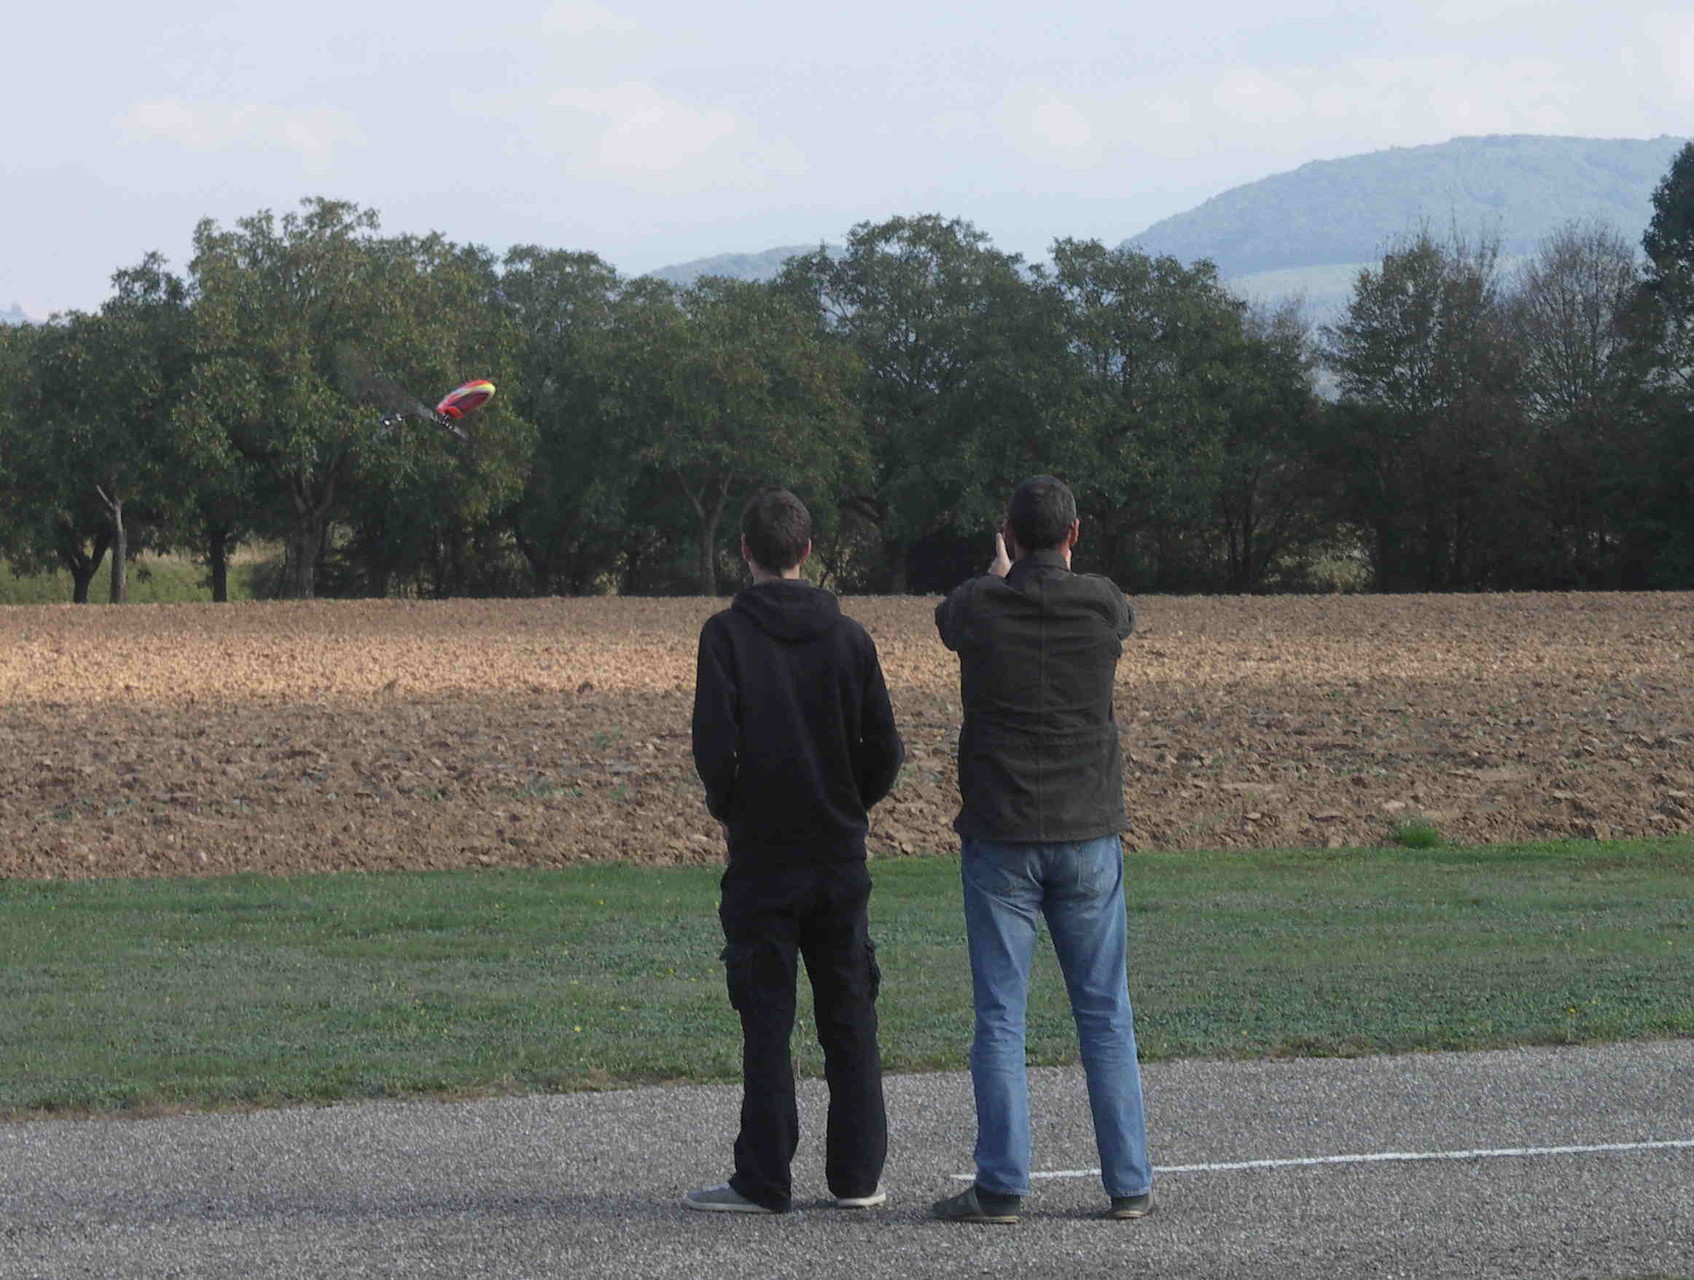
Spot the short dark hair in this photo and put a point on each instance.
(777, 527)
(1041, 513)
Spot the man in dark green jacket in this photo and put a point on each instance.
(1041, 784)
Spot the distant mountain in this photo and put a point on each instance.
(13, 315)
(1347, 211)
(737, 266)
(1306, 233)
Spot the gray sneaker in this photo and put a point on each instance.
(1124, 1207)
(724, 1199)
(972, 1205)
(872, 1201)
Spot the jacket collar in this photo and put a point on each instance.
(1049, 558)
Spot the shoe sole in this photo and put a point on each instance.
(862, 1202)
(1128, 1215)
(985, 1219)
(700, 1207)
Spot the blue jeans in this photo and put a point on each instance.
(1079, 889)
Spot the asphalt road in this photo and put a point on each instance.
(587, 1185)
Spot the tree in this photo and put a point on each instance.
(1154, 347)
(307, 328)
(146, 361)
(101, 454)
(953, 372)
(1268, 501)
(1582, 395)
(422, 508)
(1426, 440)
(570, 519)
(1669, 283)
(56, 518)
(730, 386)
(1666, 500)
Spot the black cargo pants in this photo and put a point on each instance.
(771, 917)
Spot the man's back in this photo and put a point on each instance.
(1038, 752)
(793, 733)
(794, 740)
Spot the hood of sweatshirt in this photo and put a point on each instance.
(789, 609)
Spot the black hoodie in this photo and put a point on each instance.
(793, 734)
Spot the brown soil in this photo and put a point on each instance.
(189, 739)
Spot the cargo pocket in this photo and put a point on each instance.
(873, 970)
(738, 972)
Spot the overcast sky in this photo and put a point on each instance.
(652, 132)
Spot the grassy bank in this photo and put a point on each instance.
(142, 994)
(152, 580)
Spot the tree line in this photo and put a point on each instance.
(1459, 427)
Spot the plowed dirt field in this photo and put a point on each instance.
(194, 739)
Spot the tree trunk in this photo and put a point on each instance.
(540, 566)
(709, 518)
(119, 593)
(306, 540)
(302, 563)
(217, 557)
(81, 565)
(709, 552)
(900, 569)
(114, 504)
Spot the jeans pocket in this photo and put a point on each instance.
(997, 870)
(1093, 878)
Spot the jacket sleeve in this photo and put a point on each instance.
(1126, 619)
(950, 616)
(1122, 612)
(715, 728)
(879, 753)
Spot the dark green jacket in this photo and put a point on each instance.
(1038, 654)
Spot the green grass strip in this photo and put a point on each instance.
(139, 995)
(152, 580)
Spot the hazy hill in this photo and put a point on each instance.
(1347, 211)
(737, 266)
(13, 314)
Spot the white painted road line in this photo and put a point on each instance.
(1380, 1157)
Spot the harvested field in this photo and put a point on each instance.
(194, 739)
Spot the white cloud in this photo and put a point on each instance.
(583, 17)
(1061, 132)
(639, 138)
(314, 133)
(1291, 113)
(1673, 36)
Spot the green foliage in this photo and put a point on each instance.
(95, 460)
(959, 352)
(1668, 318)
(1424, 442)
(1417, 833)
(570, 520)
(729, 385)
(1489, 431)
(308, 330)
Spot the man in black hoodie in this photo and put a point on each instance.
(794, 739)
